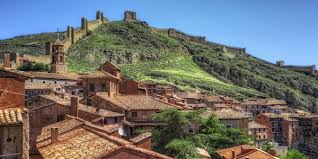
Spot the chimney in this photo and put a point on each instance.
(54, 135)
(6, 60)
(74, 106)
(233, 154)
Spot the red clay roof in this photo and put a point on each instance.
(11, 116)
(98, 75)
(82, 141)
(22, 74)
(62, 76)
(244, 151)
(135, 102)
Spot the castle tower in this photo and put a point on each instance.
(58, 57)
(130, 16)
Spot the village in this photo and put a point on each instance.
(63, 115)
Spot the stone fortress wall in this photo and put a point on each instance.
(309, 70)
(75, 34)
(201, 40)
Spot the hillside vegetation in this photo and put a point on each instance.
(148, 55)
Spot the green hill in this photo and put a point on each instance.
(149, 55)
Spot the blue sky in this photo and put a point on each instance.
(269, 29)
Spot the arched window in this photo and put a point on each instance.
(61, 58)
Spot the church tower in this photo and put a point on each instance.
(58, 57)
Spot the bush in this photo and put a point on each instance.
(41, 67)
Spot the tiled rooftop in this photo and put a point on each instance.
(11, 116)
(267, 101)
(23, 74)
(82, 107)
(140, 137)
(98, 75)
(243, 152)
(63, 76)
(136, 102)
(63, 126)
(255, 125)
(82, 140)
(79, 143)
(226, 114)
(188, 95)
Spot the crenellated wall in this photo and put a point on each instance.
(201, 40)
(75, 34)
(309, 70)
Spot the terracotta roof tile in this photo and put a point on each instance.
(23, 74)
(188, 95)
(140, 137)
(76, 140)
(98, 74)
(63, 76)
(226, 114)
(11, 116)
(255, 125)
(79, 143)
(82, 107)
(63, 126)
(136, 102)
(244, 151)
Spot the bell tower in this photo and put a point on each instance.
(58, 57)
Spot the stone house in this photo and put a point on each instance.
(43, 82)
(263, 105)
(105, 79)
(14, 117)
(306, 138)
(192, 98)
(230, 118)
(61, 140)
(259, 131)
(137, 109)
(281, 127)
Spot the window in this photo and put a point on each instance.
(116, 120)
(134, 114)
(89, 102)
(53, 58)
(91, 87)
(103, 87)
(55, 82)
(60, 117)
(61, 58)
(43, 82)
(228, 126)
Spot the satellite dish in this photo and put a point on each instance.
(121, 131)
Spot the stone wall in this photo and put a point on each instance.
(201, 40)
(309, 70)
(75, 34)
(130, 16)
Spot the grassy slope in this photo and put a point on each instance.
(147, 56)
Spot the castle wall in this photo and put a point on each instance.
(201, 40)
(310, 70)
(92, 25)
(73, 35)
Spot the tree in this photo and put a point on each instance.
(294, 154)
(34, 67)
(173, 140)
(181, 149)
(267, 146)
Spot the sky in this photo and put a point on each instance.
(269, 29)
